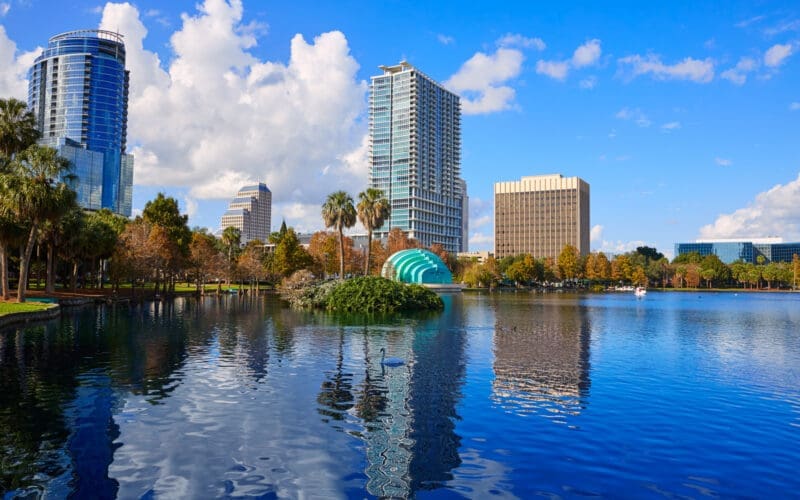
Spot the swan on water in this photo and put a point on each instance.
(390, 361)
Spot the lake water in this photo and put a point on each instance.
(504, 395)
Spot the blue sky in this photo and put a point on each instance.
(682, 117)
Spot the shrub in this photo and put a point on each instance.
(375, 294)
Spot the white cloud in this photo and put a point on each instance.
(444, 39)
(480, 222)
(773, 213)
(233, 118)
(14, 67)
(794, 106)
(4, 8)
(723, 162)
(635, 115)
(588, 83)
(747, 22)
(619, 246)
(189, 206)
(788, 25)
(667, 127)
(587, 54)
(517, 40)
(738, 74)
(596, 233)
(695, 70)
(481, 240)
(777, 54)
(481, 81)
(556, 70)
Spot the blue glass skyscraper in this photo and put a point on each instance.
(78, 91)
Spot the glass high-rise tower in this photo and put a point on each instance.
(78, 91)
(415, 155)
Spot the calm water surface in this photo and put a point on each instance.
(511, 395)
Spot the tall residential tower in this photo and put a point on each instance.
(541, 214)
(415, 155)
(250, 212)
(78, 91)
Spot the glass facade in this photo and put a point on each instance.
(78, 91)
(415, 155)
(746, 251)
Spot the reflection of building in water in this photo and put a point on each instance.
(541, 358)
(409, 411)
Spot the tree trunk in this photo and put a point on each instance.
(25, 263)
(3, 272)
(49, 284)
(341, 253)
(369, 251)
(73, 283)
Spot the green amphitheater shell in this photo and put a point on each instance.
(416, 266)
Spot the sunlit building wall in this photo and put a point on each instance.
(78, 91)
(415, 155)
(539, 215)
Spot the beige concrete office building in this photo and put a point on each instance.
(540, 214)
(250, 212)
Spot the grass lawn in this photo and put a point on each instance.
(13, 307)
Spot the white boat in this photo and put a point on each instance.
(640, 291)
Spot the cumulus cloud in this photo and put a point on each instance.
(217, 117)
(481, 241)
(738, 74)
(619, 246)
(635, 115)
(773, 213)
(596, 233)
(517, 40)
(4, 8)
(556, 70)
(585, 55)
(777, 54)
(695, 70)
(723, 162)
(481, 81)
(794, 106)
(14, 67)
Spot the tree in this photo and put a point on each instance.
(712, 266)
(438, 249)
(650, 254)
(17, 132)
(289, 255)
(232, 241)
(692, 276)
(621, 269)
(373, 210)
(795, 269)
(399, 240)
(338, 212)
(164, 211)
(639, 277)
(204, 258)
(569, 262)
(102, 231)
(34, 192)
(17, 127)
(130, 259)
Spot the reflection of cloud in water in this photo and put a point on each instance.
(541, 360)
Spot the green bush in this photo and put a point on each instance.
(375, 294)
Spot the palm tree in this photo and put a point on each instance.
(35, 192)
(17, 132)
(338, 212)
(232, 239)
(373, 210)
(17, 127)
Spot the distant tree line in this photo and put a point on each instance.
(644, 267)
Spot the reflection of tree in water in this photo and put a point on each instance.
(336, 394)
(541, 357)
(371, 397)
(55, 415)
